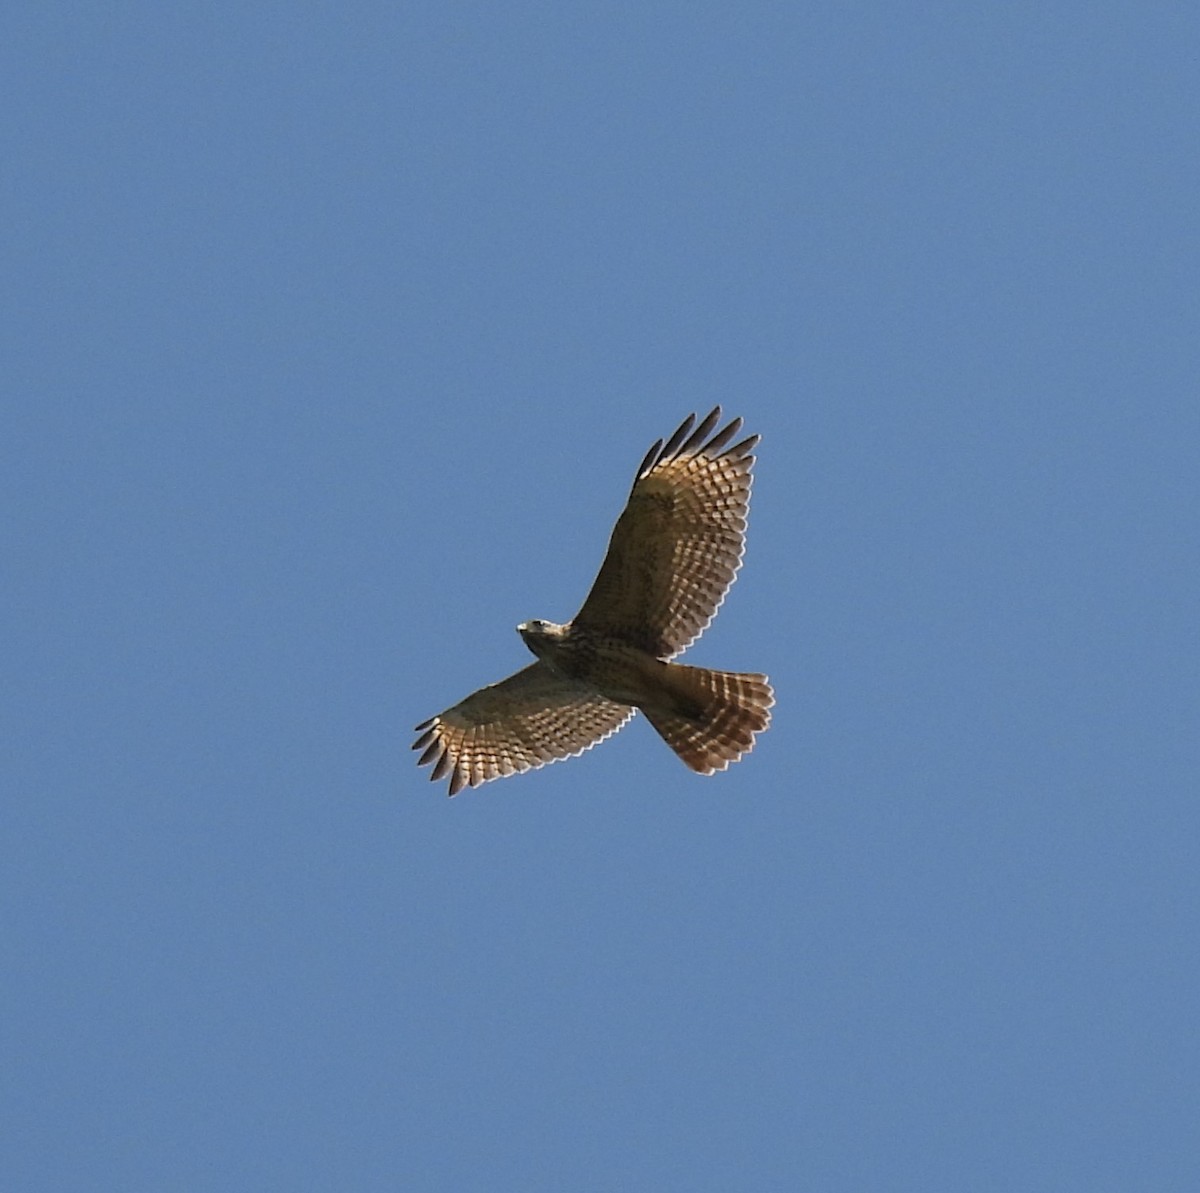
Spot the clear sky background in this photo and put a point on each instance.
(332, 335)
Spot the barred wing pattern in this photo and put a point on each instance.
(678, 545)
(525, 721)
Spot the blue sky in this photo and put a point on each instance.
(332, 337)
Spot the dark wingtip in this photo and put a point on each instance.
(722, 437)
(698, 436)
(681, 433)
(650, 460)
(443, 764)
(744, 448)
(689, 438)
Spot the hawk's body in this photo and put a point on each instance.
(672, 557)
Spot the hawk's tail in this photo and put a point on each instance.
(715, 715)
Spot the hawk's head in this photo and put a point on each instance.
(540, 635)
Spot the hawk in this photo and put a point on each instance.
(673, 554)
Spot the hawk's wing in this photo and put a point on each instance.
(678, 545)
(522, 722)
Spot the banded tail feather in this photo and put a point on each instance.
(715, 716)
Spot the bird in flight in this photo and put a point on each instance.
(673, 554)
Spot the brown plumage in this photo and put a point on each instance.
(673, 554)
(719, 727)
